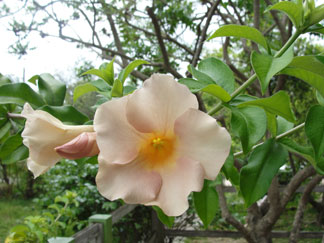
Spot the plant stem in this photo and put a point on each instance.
(248, 82)
(289, 132)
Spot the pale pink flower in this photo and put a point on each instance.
(156, 146)
(48, 140)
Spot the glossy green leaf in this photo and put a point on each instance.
(317, 15)
(320, 98)
(52, 90)
(101, 85)
(206, 203)
(272, 123)
(314, 128)
(277, 104)
(249, 123)
(19, 154)
(10, 145)
(293, 11)
(67, 114)
(96, 72)
(4, 80)
(128, 89)
(263, 165)
(219, 72)
(313, 64)
(108, 71)
(83, 89)
(213, 89)
(317, 28)
(292, 146)
(19, 94)
(266, 66)
(241, 31)
(241, 99)
(130, 67)
(5, 129)
(200, 76)
(283, 125)
(166, 220)
(230, 171)
(117, 89)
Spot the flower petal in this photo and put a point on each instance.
(84, 145)
(43, 132)
(35, 168)
(203, 140)
(158, 103)
(130, 182)
(117, 140)
(177, 183)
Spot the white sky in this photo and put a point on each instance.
(51, 55)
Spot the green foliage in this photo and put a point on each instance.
(57, 220)
(249, 123)
(206, 203)
(241, 31)
(294, 11)
(166, 220)
(266, 66)
(52, 90)
(230, 171)
(263, 165)
(277, 104)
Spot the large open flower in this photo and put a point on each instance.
(156, 146)
(48, 140)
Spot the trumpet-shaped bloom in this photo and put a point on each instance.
(48, 140)
(156, 146)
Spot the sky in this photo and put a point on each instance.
(51, 55)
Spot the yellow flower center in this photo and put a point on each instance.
(158, 151)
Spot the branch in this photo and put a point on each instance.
(281, 27)
(294, 234)
(161, 43)
(256, 20)
(274, 213)
(204, 33)
(114, 31)
(236, 12)
(229, 218)
(166, 37)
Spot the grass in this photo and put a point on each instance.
(12, 212)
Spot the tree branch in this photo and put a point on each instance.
(204, 33)
(294, 234)
(229, 218)
(161, 43)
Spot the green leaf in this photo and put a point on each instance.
(263, 165)
(266, 66)
(52, 90)
(317, 15)
(314, 128)
(108, 71)
(241, 31)
(206, 203)
(283, 125)
(5, 129)
(277, 104)
(4, 80)
(293, 11)
(10, 145)
(213, 89)
(130, 67)
(101, 85)
(272, 123)
(200, 76)
(320, 98)
(117, 89)
(249, 123)
(19, 154)
(19, 94)
(67, 114)
(219, 72)
(166, 220)
(96, 72)
(83, 89)
(309, 69)
(128, 89)
(292, 146)
(230, 171)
